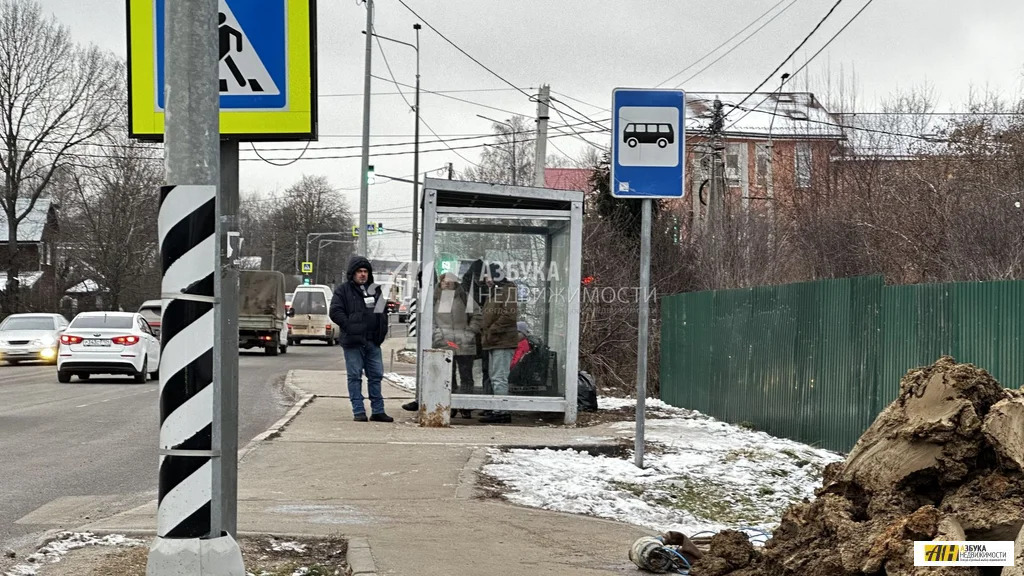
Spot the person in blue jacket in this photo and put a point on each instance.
(358, 308)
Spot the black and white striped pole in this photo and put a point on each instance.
(193, 532)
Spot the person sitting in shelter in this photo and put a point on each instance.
(524, 342)
(456, 327)
(529, 373)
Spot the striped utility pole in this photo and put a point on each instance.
(188, 216)
(194, 525)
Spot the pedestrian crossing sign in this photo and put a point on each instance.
(267, 68)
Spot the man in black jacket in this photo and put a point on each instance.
(358, 308)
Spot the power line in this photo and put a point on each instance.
(466, 54)
(795, 50)
(420, 115)
(815, 55)
(585, 117)
(474, 103)
(730, 50)
(452, 148)
(716, 48)
(459, 91)
(577, 134)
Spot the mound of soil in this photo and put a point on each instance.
(944, 461)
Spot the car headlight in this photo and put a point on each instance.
(48, 340)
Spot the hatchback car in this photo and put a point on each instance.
(29, 337)
(108, 343)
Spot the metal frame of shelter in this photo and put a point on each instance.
(502, 203)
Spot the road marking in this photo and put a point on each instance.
(151, 389)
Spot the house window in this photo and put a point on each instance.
(761, 165)
(803, 164)
(732, 169)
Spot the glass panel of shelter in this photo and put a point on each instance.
(524, 260)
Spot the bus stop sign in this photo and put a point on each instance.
(648, 143)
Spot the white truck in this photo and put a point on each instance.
(261, 312)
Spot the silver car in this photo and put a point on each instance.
(31, 337)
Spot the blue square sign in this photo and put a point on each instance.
(253, 54)
(648, 143)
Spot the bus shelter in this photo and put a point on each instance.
(524, 244)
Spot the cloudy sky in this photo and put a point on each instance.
(584, 49)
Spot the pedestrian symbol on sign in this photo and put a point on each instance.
(241, 70)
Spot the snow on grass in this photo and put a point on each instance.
(407, 382)
(287, 546)
(700, 474)
(65, 542)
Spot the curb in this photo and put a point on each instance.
(304, 398)
(360, 557)
(469, 474)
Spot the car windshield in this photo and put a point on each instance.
(309, 302)
(102, 322)
(151, 314)
(27, 323)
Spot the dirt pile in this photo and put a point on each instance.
(944, 461)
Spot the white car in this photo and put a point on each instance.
(28, 337)
(108, 343)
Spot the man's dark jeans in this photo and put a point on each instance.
(357, 360)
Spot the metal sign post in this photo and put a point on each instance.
(209, 73)
(648, 161)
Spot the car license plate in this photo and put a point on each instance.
(97, 342)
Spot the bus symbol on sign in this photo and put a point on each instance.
(660, 134)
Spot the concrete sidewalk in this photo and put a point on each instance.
(409, 492)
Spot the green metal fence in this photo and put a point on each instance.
(817, 361)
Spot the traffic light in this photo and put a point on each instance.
(305, 280)
(369, 174)
(380, 227)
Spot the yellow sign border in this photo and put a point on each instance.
(298, 122)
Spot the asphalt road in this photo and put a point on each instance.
(99, 438)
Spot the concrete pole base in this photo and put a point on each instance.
(410, 344)
(195, 557)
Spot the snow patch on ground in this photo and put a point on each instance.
(700, 474)
(65, 542)
(407, 382)
(287, 547)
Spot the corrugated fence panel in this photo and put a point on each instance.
(818, 361)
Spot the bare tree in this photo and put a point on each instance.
(510, 159)
(276, 228)
(112, 221)
(54, 96)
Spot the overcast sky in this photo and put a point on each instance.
(584, 49)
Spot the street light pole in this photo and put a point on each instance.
(364, 184)
(512, 133)
(416, 137)
(319, 246)
(311, 235)
(416, 154)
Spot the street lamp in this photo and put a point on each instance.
(416, 137)
(319, 246)
(512, 132)
(311, 235)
